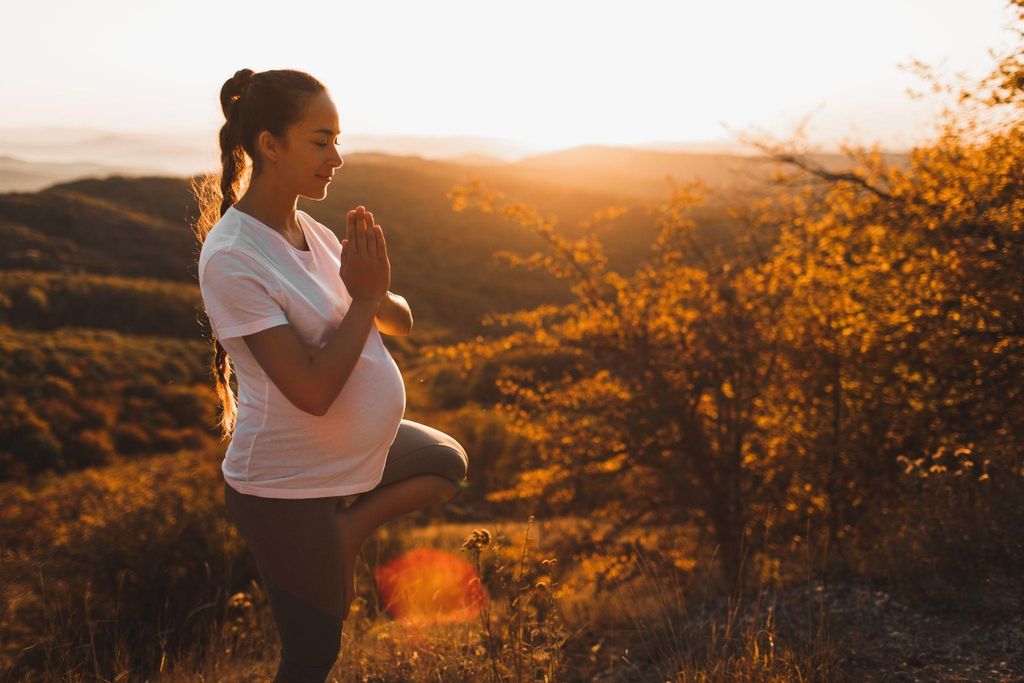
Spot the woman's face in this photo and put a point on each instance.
(310, 157)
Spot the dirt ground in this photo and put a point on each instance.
(879, 636)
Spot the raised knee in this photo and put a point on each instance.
(453, 463)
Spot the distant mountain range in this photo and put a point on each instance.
(32, 158)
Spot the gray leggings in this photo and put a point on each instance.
(296, 546)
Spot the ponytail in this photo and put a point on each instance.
(252, 102)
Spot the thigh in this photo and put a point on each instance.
(297, 549)
(422, 449)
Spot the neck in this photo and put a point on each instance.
(270, 205)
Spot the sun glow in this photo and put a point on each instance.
(429, 586)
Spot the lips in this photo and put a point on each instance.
(325, 177)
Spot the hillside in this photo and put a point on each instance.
(138, 227)
(441, 260)
(86, 232)
(98, 275)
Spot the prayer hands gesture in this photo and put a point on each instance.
(365, 268)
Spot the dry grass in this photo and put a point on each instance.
(656, 626)
(132, 574)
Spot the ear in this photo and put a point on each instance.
(268, 145)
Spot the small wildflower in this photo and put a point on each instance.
(241, 600)
(480, 538)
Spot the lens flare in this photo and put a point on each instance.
(427, 585)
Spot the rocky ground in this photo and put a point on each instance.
(873, 635)
(879, 636)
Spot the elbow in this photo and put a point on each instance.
(406, 328)
(317, 411)
(310, 408)
(311, 402)
(320, 403)
(304, 398)
(319, 408)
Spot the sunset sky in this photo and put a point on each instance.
(546, 74)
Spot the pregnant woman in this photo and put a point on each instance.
(319, 414)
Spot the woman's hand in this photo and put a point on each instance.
(365, 268)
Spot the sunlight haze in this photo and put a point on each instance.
(538, 75)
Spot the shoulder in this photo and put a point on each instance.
(322, 230)
(232, 259)
(228, 242)
(232, 232)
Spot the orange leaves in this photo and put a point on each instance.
(532, 483)
(727, 390)
(605, 215)
(613, 464)
(473, 195)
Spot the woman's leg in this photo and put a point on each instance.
(422, 449)
(298, 552)
(424, 466)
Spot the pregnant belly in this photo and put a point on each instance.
(371, 404)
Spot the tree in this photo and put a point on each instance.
(810, 372)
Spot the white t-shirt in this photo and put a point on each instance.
(251, 278)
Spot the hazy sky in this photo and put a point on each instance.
(551, 73)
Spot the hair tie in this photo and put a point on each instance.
(242, 79)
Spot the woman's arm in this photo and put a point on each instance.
(394, 316)
(387, 314)
(312, 380)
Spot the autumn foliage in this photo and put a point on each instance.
(850, 364)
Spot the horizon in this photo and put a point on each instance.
(32, 158)
(471, 80)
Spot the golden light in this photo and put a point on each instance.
(430, 586)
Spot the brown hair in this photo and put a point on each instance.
(252, 102)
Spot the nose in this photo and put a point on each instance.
(339, 162)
